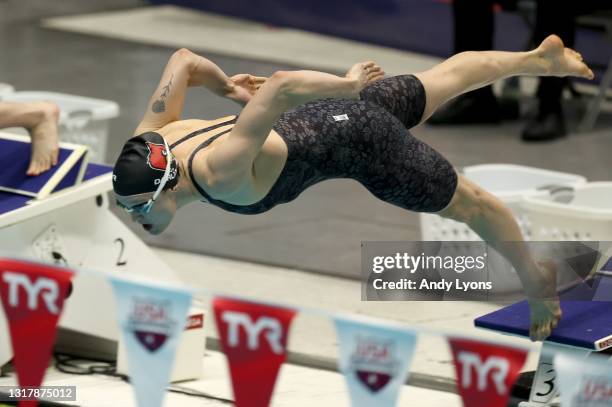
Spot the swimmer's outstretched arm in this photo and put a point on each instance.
(186, 69)
(234, 157)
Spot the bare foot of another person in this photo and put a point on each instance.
(545, 311)
(45, 139)
(557, 60)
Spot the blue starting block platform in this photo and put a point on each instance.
(585, 324)
(585, 327)
(10, 201)
(71, 164)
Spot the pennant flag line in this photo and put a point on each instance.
(254, 340)
(33, 299)
(151, 319)
(375, 360)
(375, 356)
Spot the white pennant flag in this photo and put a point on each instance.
(151, 319)
(375, 360)
(584, 381)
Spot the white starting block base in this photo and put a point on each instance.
(76, 228)
(544, 389)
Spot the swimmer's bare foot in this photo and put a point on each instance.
(45, 139)
(545, 311)
(557, 60)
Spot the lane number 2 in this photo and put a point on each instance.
(120, 260)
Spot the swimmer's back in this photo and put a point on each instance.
(176, 130)
(187, 136)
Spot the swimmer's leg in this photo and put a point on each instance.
(495, 224)
(40, 119)
(471, 70)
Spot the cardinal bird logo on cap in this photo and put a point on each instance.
(157, 159)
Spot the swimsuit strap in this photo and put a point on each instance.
(198, 132)
(190, 167)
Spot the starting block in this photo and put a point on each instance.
(586, 327)
(69, 171)
(74, 227)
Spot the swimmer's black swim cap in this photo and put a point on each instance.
(142, 164)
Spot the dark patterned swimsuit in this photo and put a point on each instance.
(366, 140)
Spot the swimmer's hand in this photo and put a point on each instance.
(365, 73)
(243, 87)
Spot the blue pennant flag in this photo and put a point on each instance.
(375, 361)
(151, 319)
(584, 381)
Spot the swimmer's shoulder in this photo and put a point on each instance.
(187, 126)
(200, 171)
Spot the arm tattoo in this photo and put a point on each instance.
(159, 106)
